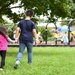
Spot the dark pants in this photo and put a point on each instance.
(3, 55)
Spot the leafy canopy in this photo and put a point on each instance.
(50, 8)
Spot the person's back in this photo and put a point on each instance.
(26, 27)
(27, 30)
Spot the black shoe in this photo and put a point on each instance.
(16, 66)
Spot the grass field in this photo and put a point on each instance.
(46, 61)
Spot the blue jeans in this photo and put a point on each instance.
(22, 47)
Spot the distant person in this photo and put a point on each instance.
(72, 36)
(55, 36)
(65, 38)
(39, 37)
(4, 39)
(28, 29)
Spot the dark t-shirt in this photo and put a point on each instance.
(26, 27)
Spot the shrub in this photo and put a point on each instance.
(42, 29)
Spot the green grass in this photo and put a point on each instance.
(46, 61)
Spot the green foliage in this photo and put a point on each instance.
(73, 23)
(10, 32)
(64, 23)
(5, 9)
(42, 29)
(57, 8)
(34, 20)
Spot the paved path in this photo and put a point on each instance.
(49, 43)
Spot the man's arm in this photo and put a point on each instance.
(36, 36)
(34, 33)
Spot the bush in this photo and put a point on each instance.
(42, 29)
(10, 32)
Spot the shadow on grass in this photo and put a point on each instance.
(38, 53)
(49, 53)
(12, 54)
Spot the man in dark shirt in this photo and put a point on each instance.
(27, 30)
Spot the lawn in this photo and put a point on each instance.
(46, 61)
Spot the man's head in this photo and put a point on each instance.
(29, 13)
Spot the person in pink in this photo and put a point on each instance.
(4, 38)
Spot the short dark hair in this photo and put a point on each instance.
(29, 13)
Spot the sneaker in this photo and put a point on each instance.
(16, 66)
(1, 69)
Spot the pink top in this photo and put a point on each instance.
(3, 43)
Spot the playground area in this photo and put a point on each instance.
(57, 35)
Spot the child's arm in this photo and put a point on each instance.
(10, 40)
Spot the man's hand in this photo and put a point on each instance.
(37, 41)
(16, 40)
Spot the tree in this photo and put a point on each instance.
(50, 8)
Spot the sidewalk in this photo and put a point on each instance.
(49, 43)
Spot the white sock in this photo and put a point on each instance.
(17, 62)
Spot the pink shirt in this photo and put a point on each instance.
(3, 43)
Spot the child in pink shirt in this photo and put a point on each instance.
(3, 45)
